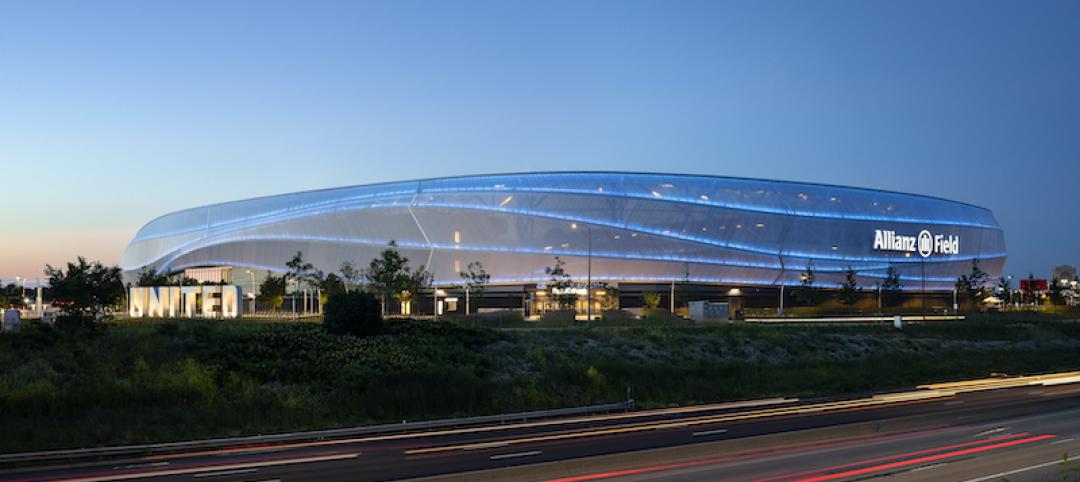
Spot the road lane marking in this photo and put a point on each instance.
(139, 466)
(999, 475)
(954, 402)
(225, 472)
(709, 432)
(516, 455)
(928, 467)
(212, 468)
(988, 432)
(1064, 440)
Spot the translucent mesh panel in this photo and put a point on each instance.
(646, 227)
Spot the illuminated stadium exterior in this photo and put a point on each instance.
(645, 229)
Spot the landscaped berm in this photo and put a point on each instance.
(154, 381)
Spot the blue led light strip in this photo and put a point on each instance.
(725, 204)
(577, 191)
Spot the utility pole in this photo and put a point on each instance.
(781, 310)
(672, 297)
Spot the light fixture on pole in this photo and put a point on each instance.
(252, 273)
(588, 279)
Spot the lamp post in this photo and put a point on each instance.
(252, 273)
(588, 278)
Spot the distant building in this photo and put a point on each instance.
(1065, 272)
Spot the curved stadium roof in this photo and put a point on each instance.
(644, 227)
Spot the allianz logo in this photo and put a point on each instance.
(925, 243)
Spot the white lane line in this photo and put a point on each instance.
(225, 472)
(709, 432)
(139, 466)
(672, 426)
(1062, 441)
(516, 455)
(988, 432)
(1016, 471)
(927, 467)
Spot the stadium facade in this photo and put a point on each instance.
(640, 230)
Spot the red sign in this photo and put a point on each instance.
(1029, 285)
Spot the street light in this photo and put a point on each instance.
(588, 279)
(252, 273)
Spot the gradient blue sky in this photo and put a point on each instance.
(112, 113)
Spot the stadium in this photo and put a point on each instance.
(627, 233)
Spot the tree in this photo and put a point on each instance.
(412, 283)
(1057, 295)
(651, 299)
(973, 284)
(355, 313)
(609, 300)
(300, 270)
(806, 292)
(850, 292)
(390, 277)
(890, 288)
(272, 291)
(350, 275)
(1005, 286)
(561, 284)
(86, 292)
(150, 277)
(476, 278)
(329, 286)
(682, 294)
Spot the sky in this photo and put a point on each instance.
(112, 113)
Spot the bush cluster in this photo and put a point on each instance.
(354, 313)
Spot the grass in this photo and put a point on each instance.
(137, 382)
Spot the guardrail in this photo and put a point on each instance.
(855, 319)
(170, 447)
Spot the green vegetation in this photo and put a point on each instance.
(158, 381)
(85, 293)
(390, 276)
(476, 279)
(354, 313)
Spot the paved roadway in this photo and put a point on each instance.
(1019, 429)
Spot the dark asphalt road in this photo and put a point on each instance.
(945, 432)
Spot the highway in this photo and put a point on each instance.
(1018, 428)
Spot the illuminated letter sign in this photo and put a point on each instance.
(925, 244)
(210, 301)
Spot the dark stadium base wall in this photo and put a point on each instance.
(756, 300)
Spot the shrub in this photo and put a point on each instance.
(353, 313)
